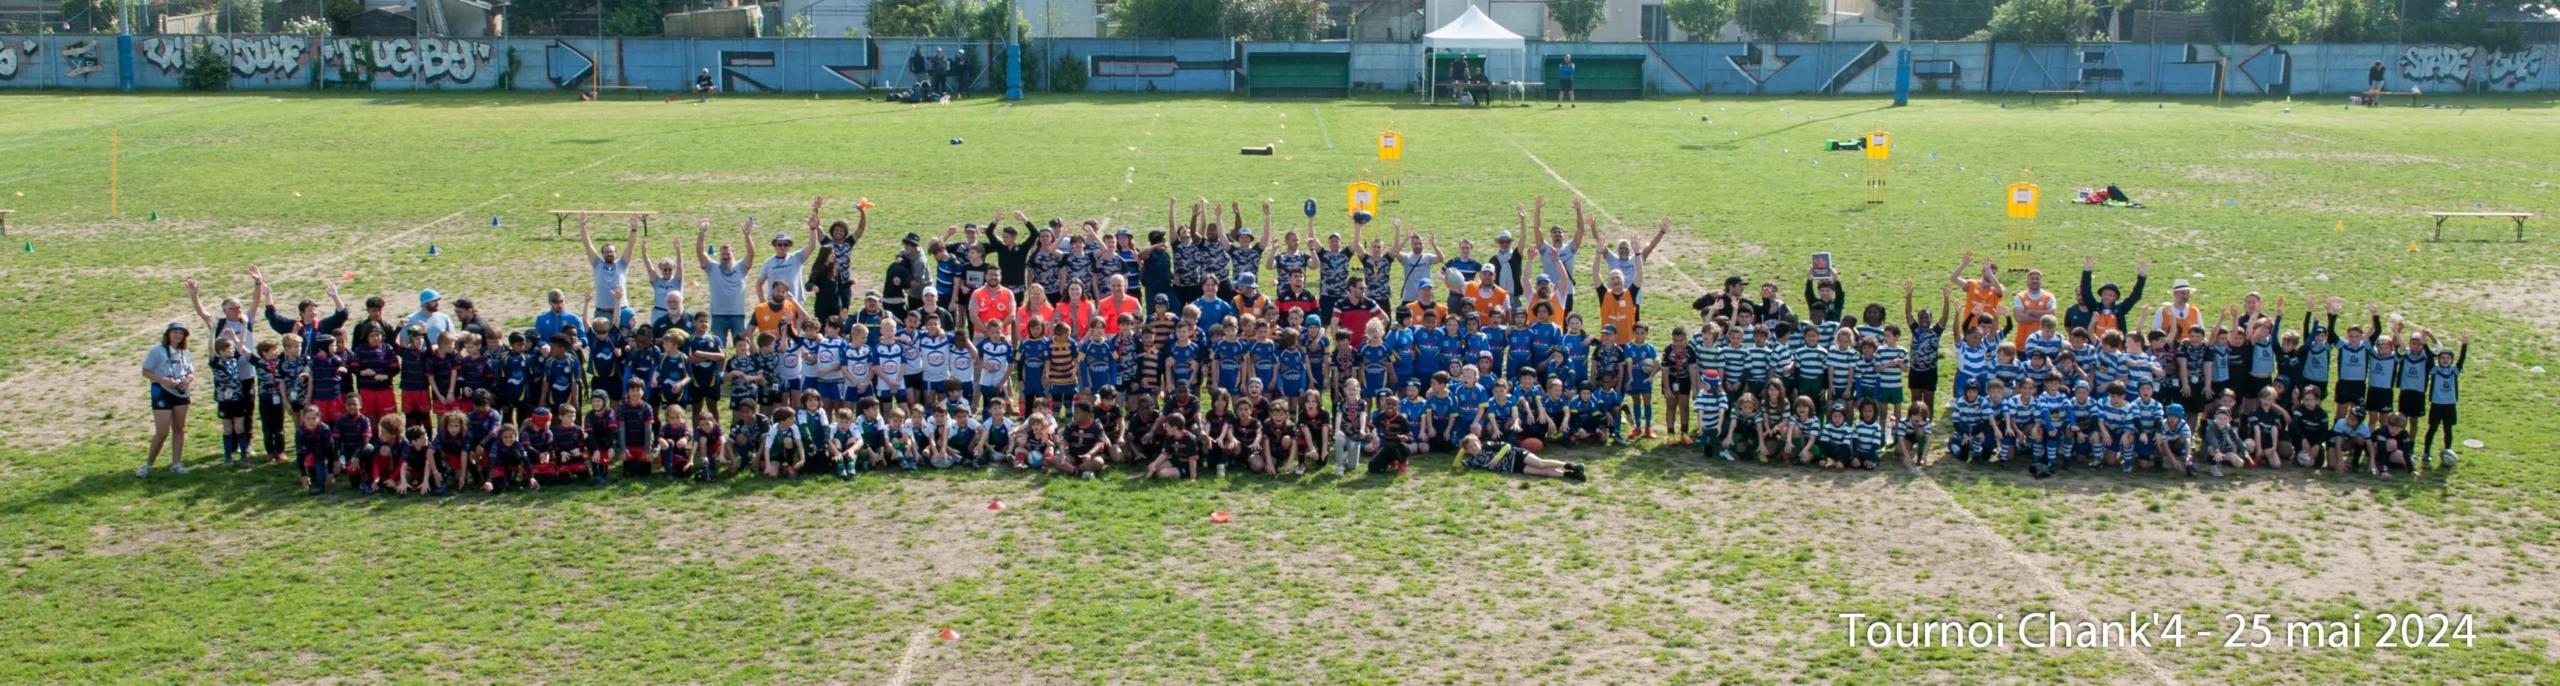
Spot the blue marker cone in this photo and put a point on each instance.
(493, 222)
(432, 251)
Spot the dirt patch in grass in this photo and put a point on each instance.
(211, 547)
(2344, 157)
(755, 177)
(2275, 542)
(2532, 297)
(917, 533)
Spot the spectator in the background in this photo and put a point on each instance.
(963, 72)
(916, 65)
(939, 68)
(2373, 77)
(1564, 85)
(702, 87)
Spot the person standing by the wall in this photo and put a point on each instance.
(2373, 77)
(963, 72)
(1564, 83)
(938, 67)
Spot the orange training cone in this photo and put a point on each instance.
(949, 635)
(995, 504)
(1219, 517)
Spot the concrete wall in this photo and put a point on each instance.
(1209, 65)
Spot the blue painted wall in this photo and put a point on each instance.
(844, 65)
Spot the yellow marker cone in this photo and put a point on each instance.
(297, 194)
(2342, 225)
(2413, 245)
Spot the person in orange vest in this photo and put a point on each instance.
(1982, 296)
(1617, 304)
(2106, 308)
(2030, 307)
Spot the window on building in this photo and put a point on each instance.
(1656, 24)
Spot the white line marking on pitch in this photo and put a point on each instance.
(907, 660)
(2051, 585)
(1320, 127)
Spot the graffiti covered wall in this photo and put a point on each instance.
(774, 65)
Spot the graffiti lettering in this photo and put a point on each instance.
(9, 59)
(2437, 63)
(80, 59)
(430, 60)
(2506, 69)
(164, 55)
(272, 56)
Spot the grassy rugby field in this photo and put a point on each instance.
(1664, 569)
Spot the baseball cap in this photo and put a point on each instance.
(428, 296)
(1163, 299)
(1313, 320)
(2181, 411)
(542, 412)
(1542, 278)
(782, 238)
(1426, 282)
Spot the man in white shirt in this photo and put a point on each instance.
(1555, 257)
(727, 280)
(608, 266)
(430, 317)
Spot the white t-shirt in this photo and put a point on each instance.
(435, 324)
(728, 289)
(173, 364)
(658, 290)
(1557, 262)
(784, 269)
(1631, 264)
(1417, 266)
(608, 278)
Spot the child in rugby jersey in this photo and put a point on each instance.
(2350, 439)
(904, 449)
(1715, 429)
(994, 361)
(1977, 433)
(671, 382)
(889, 363)
(284, 382)
(2176, 439)
(1746, 431)
(2390, 444)
(1911, 434)
(352, 431)
(749, 431)
(415, 458)
(709, 442)
(934, 349)
(2382, 365)
(2319, 343)
(2354, 352)
(2046, 341)
(555, 446)
(510, 459)
(1834, 437)
(1505, 458)
(2444, 388)
(675, 442)
(1977, 358)
(1064, 366)
(2088, 425)
(2116, 432)
(1867, 436)
(2053, 424)
(1812, 362)
(1926, 330)
(1609, 407)
(2008, 368)
(317, 450)
(911, 359)
(2222, 443)
(1643, 361)
(2021, 437)
(2308, 436)
(235, 376)
(2147, 418)
(454, 455)
(1798, 434)
(637, 423)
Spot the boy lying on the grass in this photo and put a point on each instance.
(1505, 458)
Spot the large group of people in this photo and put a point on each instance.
(1214, 345)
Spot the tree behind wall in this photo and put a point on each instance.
(1772, 20)
(634, 18)
(1950, 19)
(1701, 19)
(2041, 21)
(2242, 21)
(1172, 18)
(1577, 18)
(1277, 20)
(904, 18)
(541, 17)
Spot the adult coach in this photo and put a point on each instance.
(171, 370)
(608, 266)
(430, 319)
(1982, 296)
(1555, 257)
(833, 281)
(1623, 257)
(1564, 89)
(726, 278)
(2106, 308)
(2032, 305)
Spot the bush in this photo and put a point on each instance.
(1701, 19)
(507, 76)
(2041, 21)
(1068, 75)
(307, 26)
(1172, 18)
(1772, 20)
(1577, 18)
(903, 18)
(634, 18)
(206, 70)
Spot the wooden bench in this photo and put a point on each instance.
(639, 92)
(2518, 217)
(4, 221)
(2073, 92)
(560, 218)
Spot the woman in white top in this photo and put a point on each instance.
(171, 371)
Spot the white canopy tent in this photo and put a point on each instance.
(1473, 31)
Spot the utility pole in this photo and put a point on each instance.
(1902, 61)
